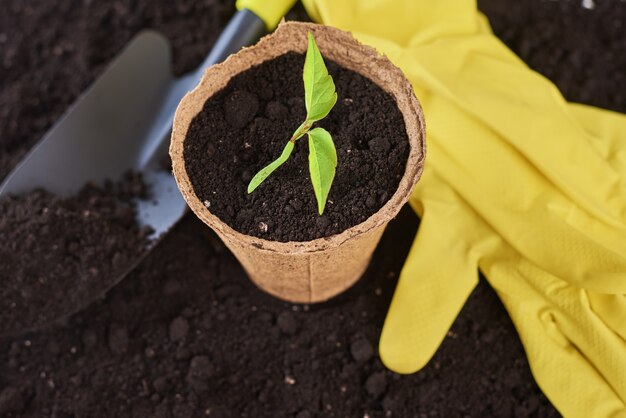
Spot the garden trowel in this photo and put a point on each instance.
(123, 122)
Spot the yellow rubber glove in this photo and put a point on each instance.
(519, 183)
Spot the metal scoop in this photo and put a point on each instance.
(123, 122)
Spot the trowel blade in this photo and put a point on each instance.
(108, 131)
(118, 124)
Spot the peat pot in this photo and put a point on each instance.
(316, 270)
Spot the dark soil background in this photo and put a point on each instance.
(187, 335)
(581, 50)
(246, 125)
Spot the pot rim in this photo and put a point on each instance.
(342, 48)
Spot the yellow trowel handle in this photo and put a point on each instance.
(270, 11)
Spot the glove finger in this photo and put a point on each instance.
(611, 309)
(576, 359)
(564, 374)
(589, 321)
(436, 280)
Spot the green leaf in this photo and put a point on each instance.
(269, 169)
(322, 164)
(319, 88)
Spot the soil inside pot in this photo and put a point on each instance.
(245, 126)
(58, 254)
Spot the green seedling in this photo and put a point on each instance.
(319, 97)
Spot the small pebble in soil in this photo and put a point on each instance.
(296, 204)
(362, 351)
(201, 369)
(389, 403)
(379, 145)
(370, 202)
(588, 4)
(376, 384)
(276, 110)
(240, 107)
(287, 323)
(179, 328)
(322, 222)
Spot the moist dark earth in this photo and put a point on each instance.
(245, 126)
(186, 334)
(59, 253)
